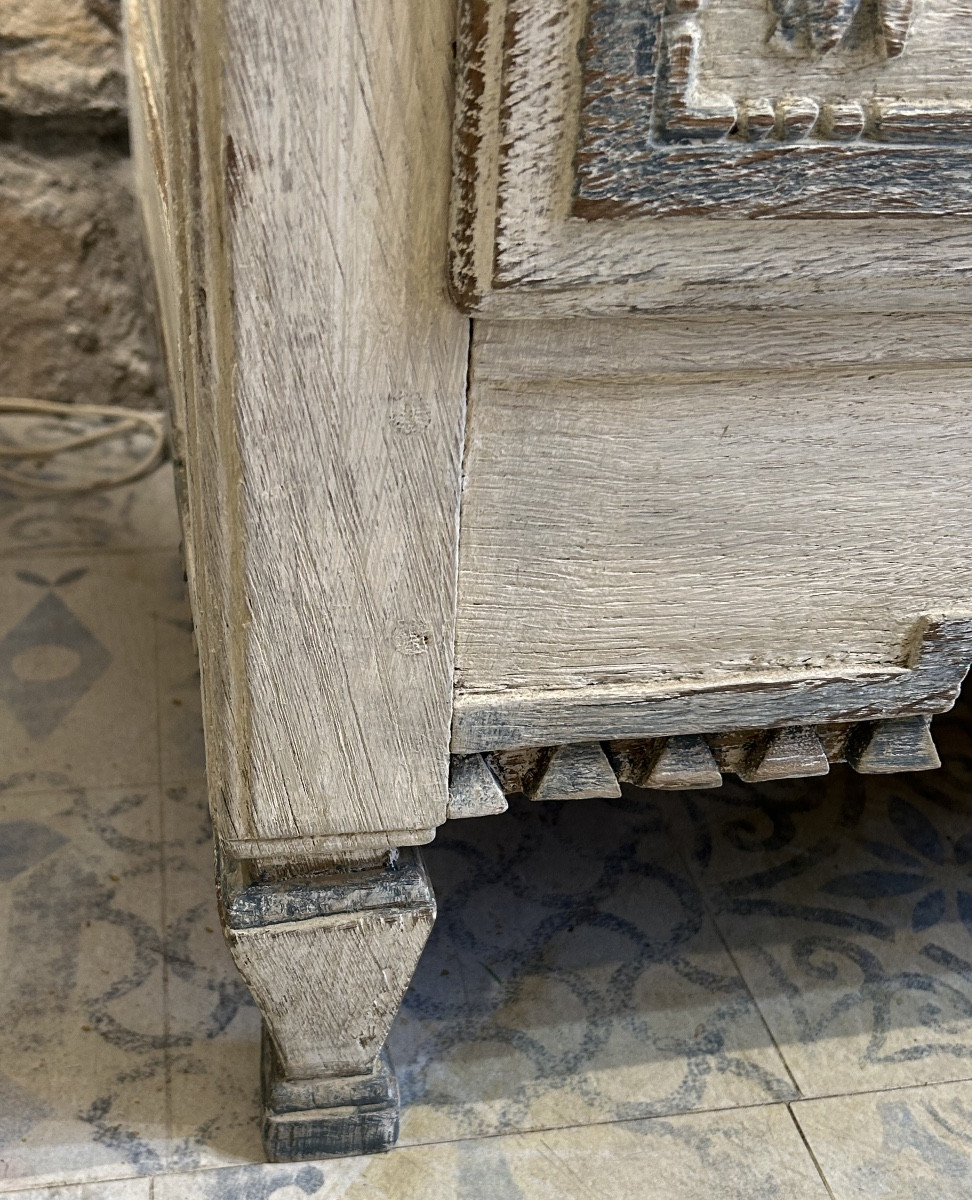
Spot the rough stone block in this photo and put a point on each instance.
(61, 60)
(74, 314)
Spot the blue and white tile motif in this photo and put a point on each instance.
(847, 903)
(573, 975)
(644, 997)
(49, 659)
(82, 1035)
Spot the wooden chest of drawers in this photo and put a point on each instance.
(567, 393)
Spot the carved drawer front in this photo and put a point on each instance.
(625, 155)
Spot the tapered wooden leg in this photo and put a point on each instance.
(327, 954)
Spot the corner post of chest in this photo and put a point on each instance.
(327, 950)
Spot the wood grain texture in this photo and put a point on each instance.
(473, 789)
(666, 120)
(575, 351)
(329, 977)
(694, 551)
(520, 249)
(886, 747)
(578, 772)
(293, 164)
(329, 988)
(689, 762)
(792, 752)
(534, 718)
(816, 26)
(328, 1118)
(805, 180)
(670, 764)
(887, 48)
(252, 900)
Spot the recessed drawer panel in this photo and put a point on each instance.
(619, 155)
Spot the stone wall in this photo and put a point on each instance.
(75, 322)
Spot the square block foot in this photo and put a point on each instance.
(328, 1118)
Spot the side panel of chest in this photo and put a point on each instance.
(647, 516)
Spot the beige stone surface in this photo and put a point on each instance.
(62, 58)
(754, 1154)
(74, 317)
(911, 1143)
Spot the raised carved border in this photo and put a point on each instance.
(648, 144)
(761, 730)
(521, 243)
(480, 783)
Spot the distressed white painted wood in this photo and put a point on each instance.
(580, 350)
(329, 986)
(793, 752)
(680, 763)
(693, 761)
(890, 746)
(579, 772)
(689, 552)
(473, 789)
(520, 249)
(728, 537)
(328, 955)
(293, 161)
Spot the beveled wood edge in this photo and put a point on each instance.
(337, 849)
(934, 660)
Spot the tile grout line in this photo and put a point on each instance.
(67, 1181)
(756, 1005)
(732, 958)
(660, 1116)
(519, 1133)
(507, 1133)
(881, 1091)
(72, 785)
(163, 890)
(697, 1112)
(809, 1148)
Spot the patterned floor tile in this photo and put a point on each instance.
(847, 903)
(573, 976)
(77, 669)
(590, 977)
(214, 1025)
(180, 706)
(119, 1189)
(140, 517)
(915, 1143)
(751, 1154)
(82, 1041)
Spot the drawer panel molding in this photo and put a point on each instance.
(935, 660)
(840, 127)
